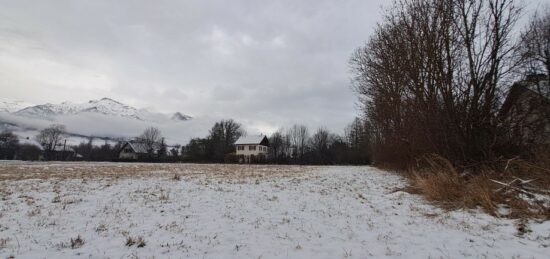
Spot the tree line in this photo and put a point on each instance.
(434, 75)
(295, 145)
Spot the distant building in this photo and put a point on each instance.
(526, 111)
(252, 149)
(132, 150)
(64, 152)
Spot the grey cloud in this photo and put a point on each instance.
(267, 64)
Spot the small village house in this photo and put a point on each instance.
(135, 151)
(252, 149)
(526, 111)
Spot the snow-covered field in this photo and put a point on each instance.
(232, 211)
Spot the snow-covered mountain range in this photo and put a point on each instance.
(104, 118)
(105, 106)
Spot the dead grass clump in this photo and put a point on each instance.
(176, 177)
(73, 243)
(56, 199)
(440, 182)
(444, 188)
(479, 191)
(101, 228)
(452, 191)
(4, 242)
(35, 211)
(130, 241)
(164, 196)
(70, 201)
(437, 180)
(77, 242)
(139, 241)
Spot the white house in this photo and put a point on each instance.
(252, 149)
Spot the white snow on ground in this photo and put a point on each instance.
(213, 211)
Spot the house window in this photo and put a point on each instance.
(240, 147)
(251, 147)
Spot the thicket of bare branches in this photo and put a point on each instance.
(298, 136)
(534, 48)
(151, 137)
(431, 78)
(51, 136)
(534, 60)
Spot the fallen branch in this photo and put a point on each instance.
(516, 184)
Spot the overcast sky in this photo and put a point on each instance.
(267, 64)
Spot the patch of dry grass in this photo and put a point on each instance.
(441, 183)
(138, 241)
(74, 243)
(90, 170)
(438, 186)
(4, 242)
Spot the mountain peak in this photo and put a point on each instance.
(106, 100)
(181, 117)
(109, 100)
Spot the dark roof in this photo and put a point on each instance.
(253, 140)
(139, 147)
(526, 89)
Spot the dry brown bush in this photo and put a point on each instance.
(439, 186)
(441, 183)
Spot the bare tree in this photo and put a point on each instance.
(299, 135)
(355, 133)
(358, 139)
(320, 142)
(175, 151)
(525, 114)
(431, 76)
(534, 54)
(277, 146)
(151, 138)
(50, 137)
(534, 48)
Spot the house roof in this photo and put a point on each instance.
(250, 140)
(526, 89)
(140, 148)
